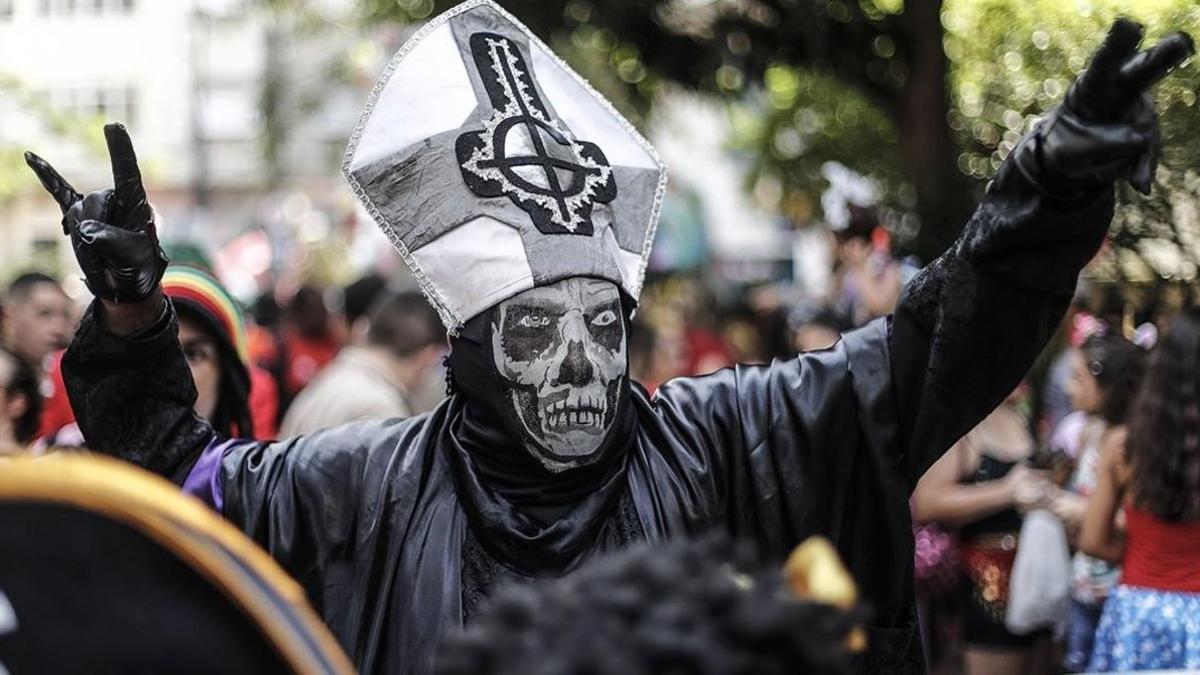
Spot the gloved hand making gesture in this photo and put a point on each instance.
(113, 234)
(1106, 129)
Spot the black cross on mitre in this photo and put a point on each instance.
(524, 153)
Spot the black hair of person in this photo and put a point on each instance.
(19, 288)
(683, 607)
(361, 295)
(863, 221)
(1117, 364)
(232, 414)
(773, 335)
(823, 316)
(265, 310)
(308, 313)
(23, 381)
(1163, 444)
(404, 323)
(642, 339)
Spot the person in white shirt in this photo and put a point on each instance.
(374, 378)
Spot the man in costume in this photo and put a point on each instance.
(525, 206)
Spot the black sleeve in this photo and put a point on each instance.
(970, 325)
(778, 452)
(133, 396)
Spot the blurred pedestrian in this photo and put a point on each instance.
(815, 327)
(56, 405)
(38, 322)
(1151, 620)
(868, 278)
(1056, 402)
(980, 487)
(404, 340)
(358, 298)
(1104, 375)
(20, 402)
(643, 351)
(656, 354)
(213, 335)
(37, 318)
(309, 344)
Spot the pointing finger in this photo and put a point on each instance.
(1148, 67)
(120, 151)
(127, 179)
(1120, 43)
(56, 185)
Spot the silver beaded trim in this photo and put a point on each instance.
(452, 321)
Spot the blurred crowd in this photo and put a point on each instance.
(1060, 535)
(279, 368)
(1091, 466)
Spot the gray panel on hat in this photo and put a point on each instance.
(539, 151)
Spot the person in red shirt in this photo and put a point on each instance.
(1149, 620)
(56, 407)
(308, 343)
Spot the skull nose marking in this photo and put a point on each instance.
(575, 369)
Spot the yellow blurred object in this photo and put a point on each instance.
(815, 572)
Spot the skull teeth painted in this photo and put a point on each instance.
(589, 413)
(560, 350)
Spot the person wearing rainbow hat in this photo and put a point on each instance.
(213, 336)
(212, 333)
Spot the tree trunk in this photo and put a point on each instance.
(945, 196)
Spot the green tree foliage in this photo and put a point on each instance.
(1012, 61)
(887, 52)
(927, 96)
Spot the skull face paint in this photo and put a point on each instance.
(560, 353)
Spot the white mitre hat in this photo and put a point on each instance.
(494, 168)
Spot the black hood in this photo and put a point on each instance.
(520, 509)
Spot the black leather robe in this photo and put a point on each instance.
(381, 522)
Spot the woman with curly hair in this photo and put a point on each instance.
(1152, 618)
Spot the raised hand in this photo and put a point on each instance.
(112, 231)
(1105, 130)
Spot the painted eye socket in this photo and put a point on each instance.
(605, 318)
(534, 321)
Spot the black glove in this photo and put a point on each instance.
(112, 231)
(1105, 129)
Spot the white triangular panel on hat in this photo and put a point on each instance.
(493, 167)
(397, 120)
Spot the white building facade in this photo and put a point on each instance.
(188, 78)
